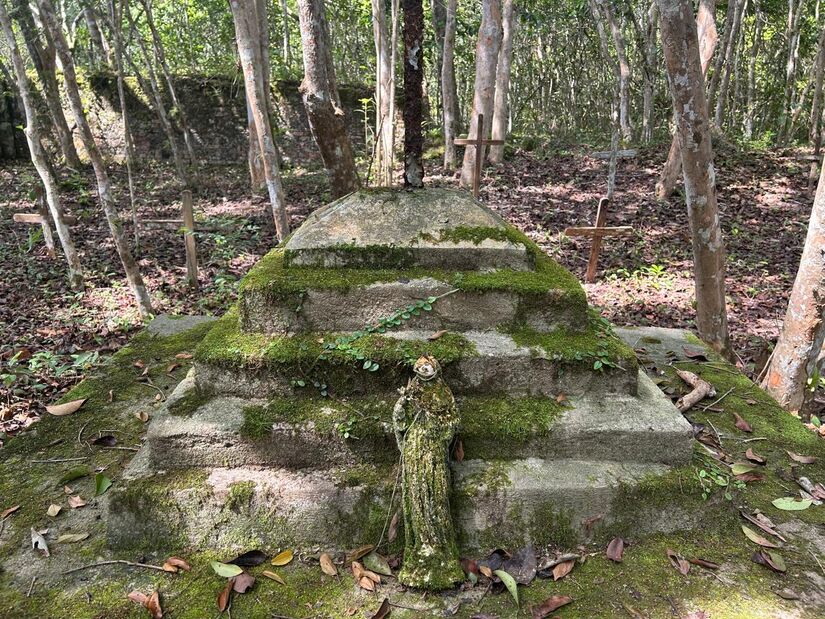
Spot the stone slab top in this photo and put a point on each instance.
(437, 227)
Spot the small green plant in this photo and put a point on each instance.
(711, 477)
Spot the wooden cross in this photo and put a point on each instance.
(597, 233)
(479, 142)
(43, 219)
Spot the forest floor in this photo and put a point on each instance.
(50, 335)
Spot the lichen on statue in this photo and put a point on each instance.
(425, 420)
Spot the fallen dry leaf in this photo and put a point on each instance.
(107, 440)
(486, 571)
(710, 565)
(224, 596)
(274, 576)
(39, 542)
(769, 559)
(142, 416)
(750, 476)
(283, 558)
(153, 606)
(250, 558)
(327, 566)
(742, 424)
(801, 459)
(53, 510)
(172, 367)
(357, 570)
(76, 501)
(563, 569)
(756, 538)
(615, 549)
(438, 334)
(458, 452)
(362, 551)
(138, 597)
(366, 584)
(678, 562)
(183, 355)
(243, 582)
(754, 457)
(8, 512)
(383, 610)
(549, 605)
(61, 410)
(179, 563)
(393, 531)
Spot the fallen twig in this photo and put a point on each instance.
(113, 562)
(82, 428)
(58, 460)
(31, 586)
(124, 448)
(715, 402)
(817, 561)
(758, 438)
(701, 390)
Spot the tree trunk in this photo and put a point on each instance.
(754, 52)
(101, 175)
(438, 12)
(413, 93)
(96, 39)
(246, 19)
(623, 70)
(487, 49)
(716, 75)
(384, 93)
(650, 69)
(681, 47)
(501, 107)
(803, 332)
(706, 27)
(38, 154)
(285, 46)
(727, 64)
(44, 63)
(448, 88)
(792, 38)
(320, 97)
(815, 134)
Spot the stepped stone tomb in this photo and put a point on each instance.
(283, 432)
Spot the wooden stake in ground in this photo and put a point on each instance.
(478, 142)
(189, 240)
(597, 233)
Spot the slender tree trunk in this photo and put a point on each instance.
(815, 134)
(102, 176)
(792, 38)
(650, 68)
(98, 42)
(245, 16)
(487, 48)
(44, 63)
(395, 16)
(160, 55)
(754, 53)
(413, 93)
(448, 87)
(623, 75)
(501, 107)
(384, 92)
(320, 97)
(727, 63)
(438, 12)
(38, 154)
(706, 28)
(716, 75)
(803, 332)
(286, 51)
(681, 47)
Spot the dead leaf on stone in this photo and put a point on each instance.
(763, 522)
(61, 410)
(172, 367)
(710, 565)
(750, 476)
(561, 398)
(458, 452)
(107, 440)
(243, 582)
(522, 566)
(696, 355)
(801, 459)
(143, 416)
(615, 549)
(76, 501)
(486, 571)
(274, 576)
(383, 610)
(770, 559)
(563, 569)
(39, 542)
(72, 538)
(678, 562)
(327, 566)
(549, 605)
(754, 457)
(67, 489)
(393, 531)
(741, 423)
(179, 563)
(437, 334)
(138, 597)
(787, 594)
(756, 538)
(366, 584)
(53, 510)
(224, 596)
(250, 558)
(153, 606)
(378, 564)
(8, 512)
(283, 558)
(356, 554)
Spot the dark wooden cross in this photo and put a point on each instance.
(597, 233)
(479, 142)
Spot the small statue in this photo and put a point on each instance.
(425, 419)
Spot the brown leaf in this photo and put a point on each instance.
(563, 569)
(138, 597)
(142, 416)
(224, 596)
(250, 558)
(750, 476)
(183, 355)
(366, 583)
(8, 512)
(383, 611)
(458, 452)
(742, 424)
(243, 582)
(274, 576)
(549, 605)
(754, 457)
(438, 334)
(615, 549)
(168, 567)
(757, 539)
(801, 459)
(283, 558)
(763, 522)
(692, 353)
(360, 552)
(76, 501)
(393, 532)
(769, 559)
(179, 563)
(153, 606)
(678, 562)
(357, 570)
(562, 397)
(470, 566)
(486, 571)
(710, 565)
(372, 576)
(327, 566)
(61, 410)
(172, 367)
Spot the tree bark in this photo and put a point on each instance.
(803, 331)
(706, 27)
(682, 56)
(43, 59)
(448, 88)
(285, 46)
(438, 13)
(246, 19)
(501, 106)
(650, 68)
(384, 94)
(413, 93)
(623, 66)
(38, 154)
(732, 39)
(487, 49)
(101, 175)
(792, 38)
(750, 105)
(320, 99)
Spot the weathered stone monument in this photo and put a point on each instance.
(284, 434)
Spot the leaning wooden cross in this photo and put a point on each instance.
(479, 142)
(597, 233)
(42, 218)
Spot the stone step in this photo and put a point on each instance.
(231, 362)
(495, 505)
(299, 433)
(276, 299)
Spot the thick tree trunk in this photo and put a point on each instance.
(448, 88)
(681, 47)
(706, 27)
(320, 98)
(101, 175)
(247, 25)
(413, 93)
(487, 49)
(38, 154)
(501, 107)
(803, 332)
(44, 63)
(384, 93)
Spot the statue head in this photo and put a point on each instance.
(427, 367)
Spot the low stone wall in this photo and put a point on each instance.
(12, 139)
